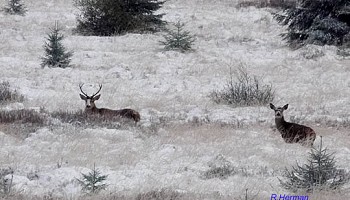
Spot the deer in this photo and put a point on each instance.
(90, 107)
(292, 132)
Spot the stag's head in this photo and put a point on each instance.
(90, 100)
(279, 110)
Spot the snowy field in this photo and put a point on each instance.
(182, 131)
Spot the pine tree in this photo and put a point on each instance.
(319, 173)
(93, 181)
(55, 52)
(109, 17)
(178, 39)
(320, 22)
(15, 7)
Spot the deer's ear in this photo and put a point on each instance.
(285, 107)
(272, 106)
(82, 97)
(96, 97)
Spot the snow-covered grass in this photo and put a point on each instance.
(181, 129)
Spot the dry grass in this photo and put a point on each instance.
(7, 95)
(168, 194)
(267, 3)
(22, 116)
(20, 123)
(156, 194)
(81, 119)
(163, 194)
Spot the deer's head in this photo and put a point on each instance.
(90, 100)
(279, 110)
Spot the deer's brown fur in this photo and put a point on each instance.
(292, 132)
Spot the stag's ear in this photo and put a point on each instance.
(285, 107)
(96, 97)
(83, 97)
(272, 106)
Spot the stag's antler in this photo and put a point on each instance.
(81, 89)
(97, 91)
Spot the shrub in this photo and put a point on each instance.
(320, 22)
(310, 52)
(178, 39)
(344, 52)
(219, 167)
(6, 177)
(109, 17)
(15, 7)
(245, 91)
(93, 182)
(319, 173)
(55, 52)
(6, 95)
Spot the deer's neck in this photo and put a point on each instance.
(281, 124)
(92, 110)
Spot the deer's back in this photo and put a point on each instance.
(125, 113)
(292, 132)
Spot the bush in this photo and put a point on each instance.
(6, 95)
(219, 167)
(109, 17)
(55, 52)
(320, 22)
(320, 173)
(178, 39)
(6, 178)
(15, 7)
(245, 91)
(93, 181)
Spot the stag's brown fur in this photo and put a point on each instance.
(107, 113)
(292, 132)
(124, 113)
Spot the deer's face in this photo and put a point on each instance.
(89, 101)
(279, 110)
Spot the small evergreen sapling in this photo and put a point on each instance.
(93, 182)
(178, 39)
(319, 173)
(15, 7)
(55, 52)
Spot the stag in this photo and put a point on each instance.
(90, 107)
(292, 132)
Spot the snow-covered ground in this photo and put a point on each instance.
(181, 130)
